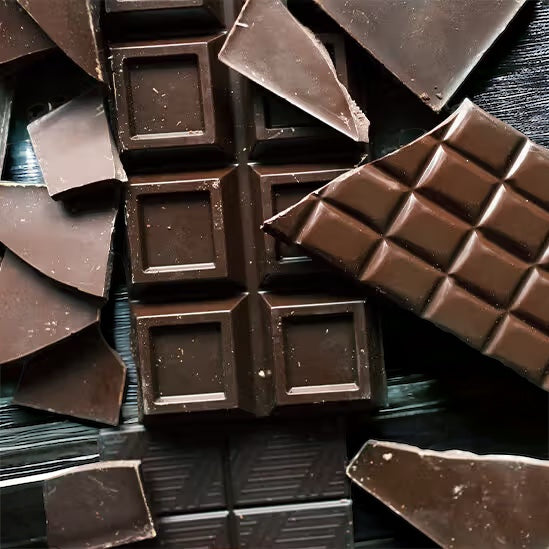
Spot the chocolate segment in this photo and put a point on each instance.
(35, 311)
(68, 242)
(97, 505)
(459, 499)
(454, 226)
(74, 147)
(6, 96)
(80, 377)
(269, 46)
(422, 43)
(74, 27)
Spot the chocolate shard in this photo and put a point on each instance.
(454, 226)
(97, 505)
(6, 97)
(65, 380)
(430, 47)
(20, 36)
(459, 499)
(269, 46)
(35, 311)
(74, 27)
(68, 242)
(74, 146)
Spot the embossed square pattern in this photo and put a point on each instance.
(461, 234)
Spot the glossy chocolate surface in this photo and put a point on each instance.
(459, 499)
(454, 226)
(430, 46)
(68, 242)
(6, 96)
(269, 46)
(81, 130)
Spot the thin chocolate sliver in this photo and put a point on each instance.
(430, 46)
(269, 46)
(81, 377)
(459, 499)
(74, 147)
(97, 505)
(35, 312)
(68, 242)
(6, 97)
(454, 226)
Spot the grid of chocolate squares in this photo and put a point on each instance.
(229, 323)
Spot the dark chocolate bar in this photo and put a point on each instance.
(454, 226)
(459, 499)
(269, 46)
(430, 46)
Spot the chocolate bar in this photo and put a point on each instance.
(422, 43)
(454, 227)
(459, 499)
(297, 67)
(68, 242)
(81, 130)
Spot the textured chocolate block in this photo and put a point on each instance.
(171, 94)
(184, 228)
(454, 226)
(193, 356)
(322, 349)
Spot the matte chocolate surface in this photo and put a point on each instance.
(97, 505)
(74, 147)
(35, 312)
(74, 27)
(430, 46)
(68, 242)
(454, 226)
(269, 46)
(80, 377)
(459, 499)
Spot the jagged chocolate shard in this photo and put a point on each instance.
(459, 499)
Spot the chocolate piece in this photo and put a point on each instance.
(294, 65)
(171, 94)
(164, 216)
(36, 312)
(214, 6)
(74, 27)
(97, 505)
(80, 377)
(74, 147)
(430, 47)
(459, 499)
(68, 242)
(20, 36)
(6, 95)
(453, 226)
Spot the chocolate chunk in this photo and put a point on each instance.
(6, 96)
(97, 505)
(68, 242)
(430, 46)
(459, 499)
(35, 311)
(74, 27)
(20, 36)
(269, 46)
(454, 227)
(80, 377)
(74, 147)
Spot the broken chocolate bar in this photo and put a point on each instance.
(36, 312)
(430, 46)
(80, 377)
(459, 499)
(68, 242)
(96, 506)
(454, 226)
(269, 46)
(74, 27)
(74, 146)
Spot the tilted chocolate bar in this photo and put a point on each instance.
(459, 499)
(454, 227)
